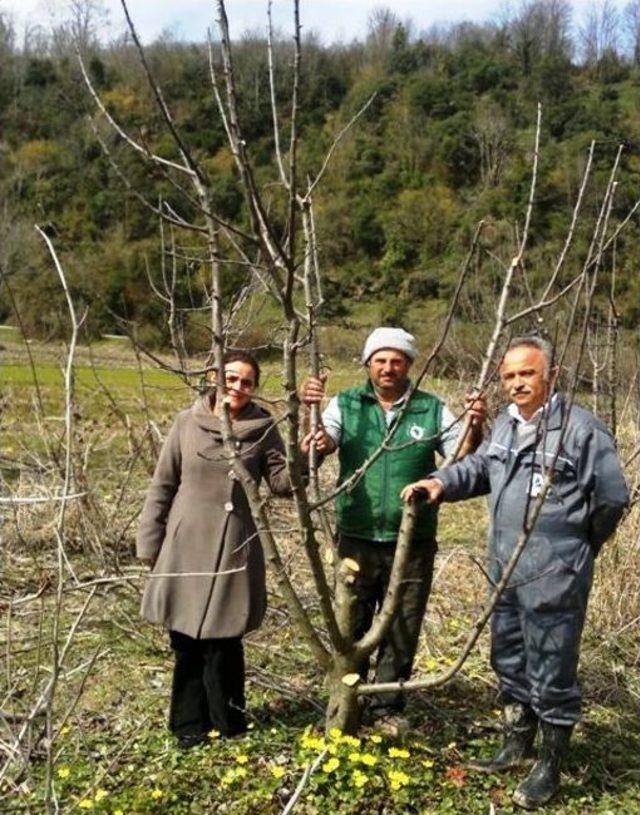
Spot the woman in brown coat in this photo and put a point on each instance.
(207, 583)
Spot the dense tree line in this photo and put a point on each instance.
(446, 141)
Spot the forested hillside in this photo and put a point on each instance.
(446, 141)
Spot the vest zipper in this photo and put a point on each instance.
(384, 428)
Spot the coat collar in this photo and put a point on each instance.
(557, 409)
(250, 423)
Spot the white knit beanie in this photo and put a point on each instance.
(396, 338)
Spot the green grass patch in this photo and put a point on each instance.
(9, 333)
(119, 378)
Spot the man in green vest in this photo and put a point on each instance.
(355, 423)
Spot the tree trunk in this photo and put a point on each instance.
(344, 709)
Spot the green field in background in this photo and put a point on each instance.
(52, 376)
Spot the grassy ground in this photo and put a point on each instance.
(110, 744)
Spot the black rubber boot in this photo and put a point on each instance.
(189, 742)
(520, 726)
(544, 779)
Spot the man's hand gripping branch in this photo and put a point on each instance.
(313, 393)
(431, 489)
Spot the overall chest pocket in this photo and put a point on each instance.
(563, 477)
(497, 458)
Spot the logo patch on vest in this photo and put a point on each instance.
(416, 432)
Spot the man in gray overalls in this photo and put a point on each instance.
(537, 623)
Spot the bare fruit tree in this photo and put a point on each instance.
(274, 250)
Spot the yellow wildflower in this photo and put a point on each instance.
(118, 812)
(278, 772)
(397, 779)
(335, 733)
(398, 752)
(227, 778)
(354, 758)
(100, 794)
(332, 748)
(242, 758)
(375, 738)
(427, 763)
(86, 804)
(331, 765)
(351, 741)
(313, 742)
(157, 794)
(63, 772)
(368, 760)
(241, 772)
(64, 730)
(214, 734)
(359, 779)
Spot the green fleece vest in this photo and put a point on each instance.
(373, 508)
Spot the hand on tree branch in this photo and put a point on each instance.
(313, 390)
(476, 406)
(323, 442)
(476, 416)
(431, 489)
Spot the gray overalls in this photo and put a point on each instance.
(537, 623)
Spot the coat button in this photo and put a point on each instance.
(228, 507)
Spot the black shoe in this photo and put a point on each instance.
(520, 726)
(544, 779)
(192, 740)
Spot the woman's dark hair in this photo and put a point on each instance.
(238, 356)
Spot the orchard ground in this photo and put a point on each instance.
(112, 750)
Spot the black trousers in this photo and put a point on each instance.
(208, 686)
(398, 647)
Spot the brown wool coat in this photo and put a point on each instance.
(196, 518)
